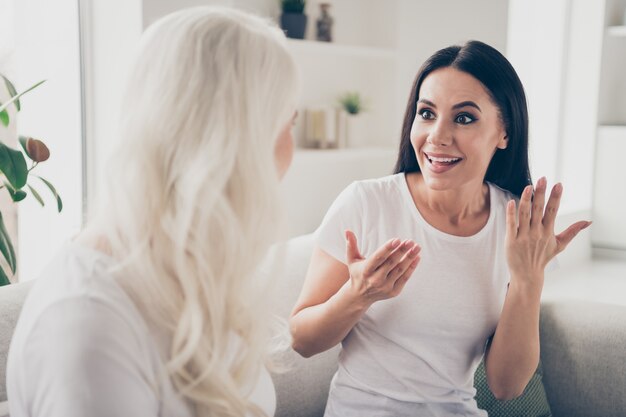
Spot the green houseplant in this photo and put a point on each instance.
(293, 20)
(352, 102)
(354, 127)
(15, 174)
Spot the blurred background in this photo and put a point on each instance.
(357, 59)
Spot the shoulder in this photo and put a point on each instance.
(500, 196)
(379, 187)
(77, 301)
(84, 352)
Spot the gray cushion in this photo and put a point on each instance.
(583, 351)
(11, 300)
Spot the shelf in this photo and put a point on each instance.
(364, 152)
(330, 48)
(616, 31)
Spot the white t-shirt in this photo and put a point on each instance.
(82, 349)
(416, 354)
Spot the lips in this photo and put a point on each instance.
(440, 163)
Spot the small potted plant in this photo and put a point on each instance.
(15, 173)
(293, 20)
(352, 127)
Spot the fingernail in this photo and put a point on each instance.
(415, 249)
(395, 243)
(542, 182)
(558, 188)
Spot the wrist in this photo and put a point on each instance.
(353, 297)
(528, 287)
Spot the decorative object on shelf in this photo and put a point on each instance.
(293, 20)
(15, 173)
(320, 127)
(351, 125)
(325, 24)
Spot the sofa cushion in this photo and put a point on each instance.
(532, 403)
(583, 351)
(11, 299)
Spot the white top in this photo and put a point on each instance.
(416, 354)
(82, 349)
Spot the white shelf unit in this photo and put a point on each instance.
(616, 31)
(334, 49)
(612, 98)
(609, 192)
(361, 58)
(609, 229)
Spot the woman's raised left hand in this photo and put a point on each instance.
(530, 239)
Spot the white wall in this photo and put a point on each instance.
(427, 26)
(580, 105)
(112, 29)
(536, 47)
(46, 47)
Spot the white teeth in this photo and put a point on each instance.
(435, 159)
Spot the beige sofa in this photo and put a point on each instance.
(583, 350)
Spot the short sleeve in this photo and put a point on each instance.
(346, 213)
(82, 359)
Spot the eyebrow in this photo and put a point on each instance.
(456, 106)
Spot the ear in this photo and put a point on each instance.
(503, 143)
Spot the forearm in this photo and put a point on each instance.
(318, 328)
(513, 355)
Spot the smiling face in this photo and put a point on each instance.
(456, 130)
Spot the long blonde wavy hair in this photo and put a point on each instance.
(190, 202)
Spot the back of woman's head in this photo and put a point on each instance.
(191, 198)
(509, 167)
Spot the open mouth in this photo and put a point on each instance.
(438, 161)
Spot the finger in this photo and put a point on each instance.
(552, 207)
(539, 199)
(511, 223)
(523, 212)
(352, 249)
(564, 238)
(404, 278)
(381, 255)
(396, 257)
(404, 263)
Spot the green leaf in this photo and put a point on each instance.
(37, 196)
(16, 195)
(6, 247)
(54, 192)
(4, 117)
(17, 97)
(13, 166)
(4, 280)
(23, 140)
(12, 91)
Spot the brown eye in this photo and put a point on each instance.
(426, 114)
(464, 119)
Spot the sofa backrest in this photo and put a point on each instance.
(583, 352)
(11, 301)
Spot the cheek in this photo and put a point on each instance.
(417, 135)
(283, 150)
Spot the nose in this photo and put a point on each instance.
(440, 135)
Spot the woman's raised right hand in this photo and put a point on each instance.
(384, 274)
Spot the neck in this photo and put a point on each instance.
(456, 204)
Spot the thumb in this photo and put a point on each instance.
(352, 250)
(563, 239)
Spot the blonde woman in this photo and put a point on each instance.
(153, 309)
